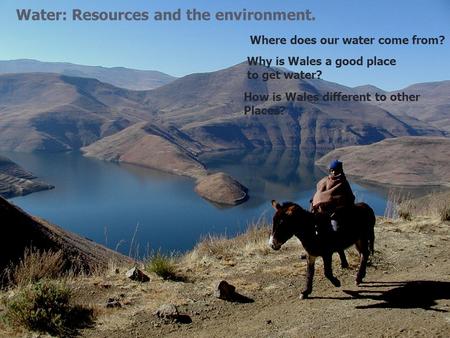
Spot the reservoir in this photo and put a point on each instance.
(124, 206)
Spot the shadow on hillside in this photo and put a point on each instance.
(80, 318)
(404, 295)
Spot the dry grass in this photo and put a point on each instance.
(395, 199)
(253, 241)
(444, 211)
(432, 205)
(36, 265)
(113, 268)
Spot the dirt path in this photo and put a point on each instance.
(406, 294)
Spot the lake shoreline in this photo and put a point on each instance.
(107, 201)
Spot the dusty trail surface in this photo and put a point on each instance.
(406, 293)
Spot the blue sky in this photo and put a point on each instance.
(181, 48)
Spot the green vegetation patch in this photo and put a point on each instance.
(45, 306)
(163, 265)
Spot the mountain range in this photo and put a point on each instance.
(133, 79)
(433, 106)
(199, 113)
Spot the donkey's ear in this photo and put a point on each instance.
(276, 205)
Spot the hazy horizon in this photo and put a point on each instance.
(211, 71)
(184, 47)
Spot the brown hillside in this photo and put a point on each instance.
(50, 112)
(405, 161)
(433, 105)
(16, 181)
(209, 108)
(151, 146)
(20, 231)
(53, 112)
(118, 76)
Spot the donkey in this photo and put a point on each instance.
(357, 228)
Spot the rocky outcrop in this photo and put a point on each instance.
(404, 161)
(222, 189)
(15, 181)
(137, 275)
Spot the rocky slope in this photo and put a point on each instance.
(404, 161)
(20, 231)
(15, 181)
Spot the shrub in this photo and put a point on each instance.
(252, 241)
(36, 265)
(444, 213)
(405, 214)
(217, 246)
(45, 306)
(435, 204)
(161, 264)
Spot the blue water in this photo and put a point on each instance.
(111, 203)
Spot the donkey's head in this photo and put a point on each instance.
(284, 221)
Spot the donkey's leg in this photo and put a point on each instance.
(344, 263)
(372, 241)
(328, 269)
(309, 277)
(363, 248)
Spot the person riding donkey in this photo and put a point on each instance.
(333, 195)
